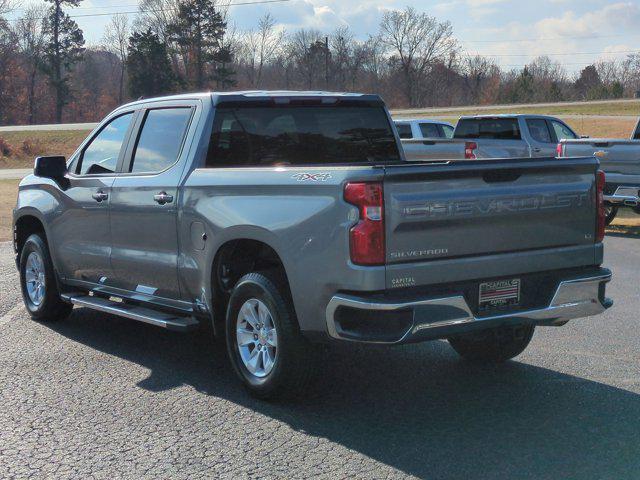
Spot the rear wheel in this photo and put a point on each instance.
(493, 345)
(265, 346)
(610, 213)
(38, 282)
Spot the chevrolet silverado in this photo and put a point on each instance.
(289, 219)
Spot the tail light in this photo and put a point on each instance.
(470, 150)
(366, 238)
(600, 223)
(559, 150)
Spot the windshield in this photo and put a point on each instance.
(294, 135)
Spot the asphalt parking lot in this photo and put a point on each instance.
(101, 397)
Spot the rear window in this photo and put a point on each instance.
(492, 128)
(297, 135)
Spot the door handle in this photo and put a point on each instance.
(162, 198)
(100, 196)
(537, 149)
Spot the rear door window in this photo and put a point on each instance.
(539, 130)
(160, 139)
(299, 135)
(429, 130)
(101, 155)
(404, 130)
(490, 128)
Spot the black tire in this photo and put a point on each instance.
(295, 356)
(495, 345)
(51, 307)
(612, 211)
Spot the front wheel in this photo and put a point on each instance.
(494, 345)
(265, 346)
(610, 213)
(38, 282)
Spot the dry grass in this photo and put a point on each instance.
(8, 194)
(18, 149)
(613, 108)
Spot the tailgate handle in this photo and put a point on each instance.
(501, 176)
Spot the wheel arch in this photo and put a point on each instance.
(234, 258)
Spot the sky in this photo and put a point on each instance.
(574, 32)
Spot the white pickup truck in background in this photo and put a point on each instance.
(494, 136)
(620, 160)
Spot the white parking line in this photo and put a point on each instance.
(7, 317)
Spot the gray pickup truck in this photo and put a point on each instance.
(290, 219)
(620, 160)
(494, 136)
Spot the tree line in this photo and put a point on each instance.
(49, 74)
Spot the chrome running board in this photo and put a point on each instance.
(134, 312)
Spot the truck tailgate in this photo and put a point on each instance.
(452, 213)
(616, 156)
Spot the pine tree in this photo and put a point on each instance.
(148, 65)
(64, 47)
(199, 31)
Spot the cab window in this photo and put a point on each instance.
(539, 130)
(101, 155)
(404, 130)
(160, 139)
(429, 130)
(447, 131)
(562, 131)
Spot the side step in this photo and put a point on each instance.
(135, 312)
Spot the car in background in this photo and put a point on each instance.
(423, 128)
(495, 136)
(620, 160)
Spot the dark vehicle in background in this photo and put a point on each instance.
(620, 160)
(289, 219)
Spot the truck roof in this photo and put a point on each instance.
(421, 120)
(507, 115)
(261, 95)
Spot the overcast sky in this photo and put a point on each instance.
(513, 32)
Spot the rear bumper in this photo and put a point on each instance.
(624, 195)
(415, 320)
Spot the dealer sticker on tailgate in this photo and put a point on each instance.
(499, 293)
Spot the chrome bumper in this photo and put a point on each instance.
(627, 196)
(441, 317)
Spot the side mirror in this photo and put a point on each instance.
(53, 167)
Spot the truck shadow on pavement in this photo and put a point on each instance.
(416, 408)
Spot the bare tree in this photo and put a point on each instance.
(418, 41)
(260, 47)
(156, 15)
(31, 43)
(116, 39)
(476, 70)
